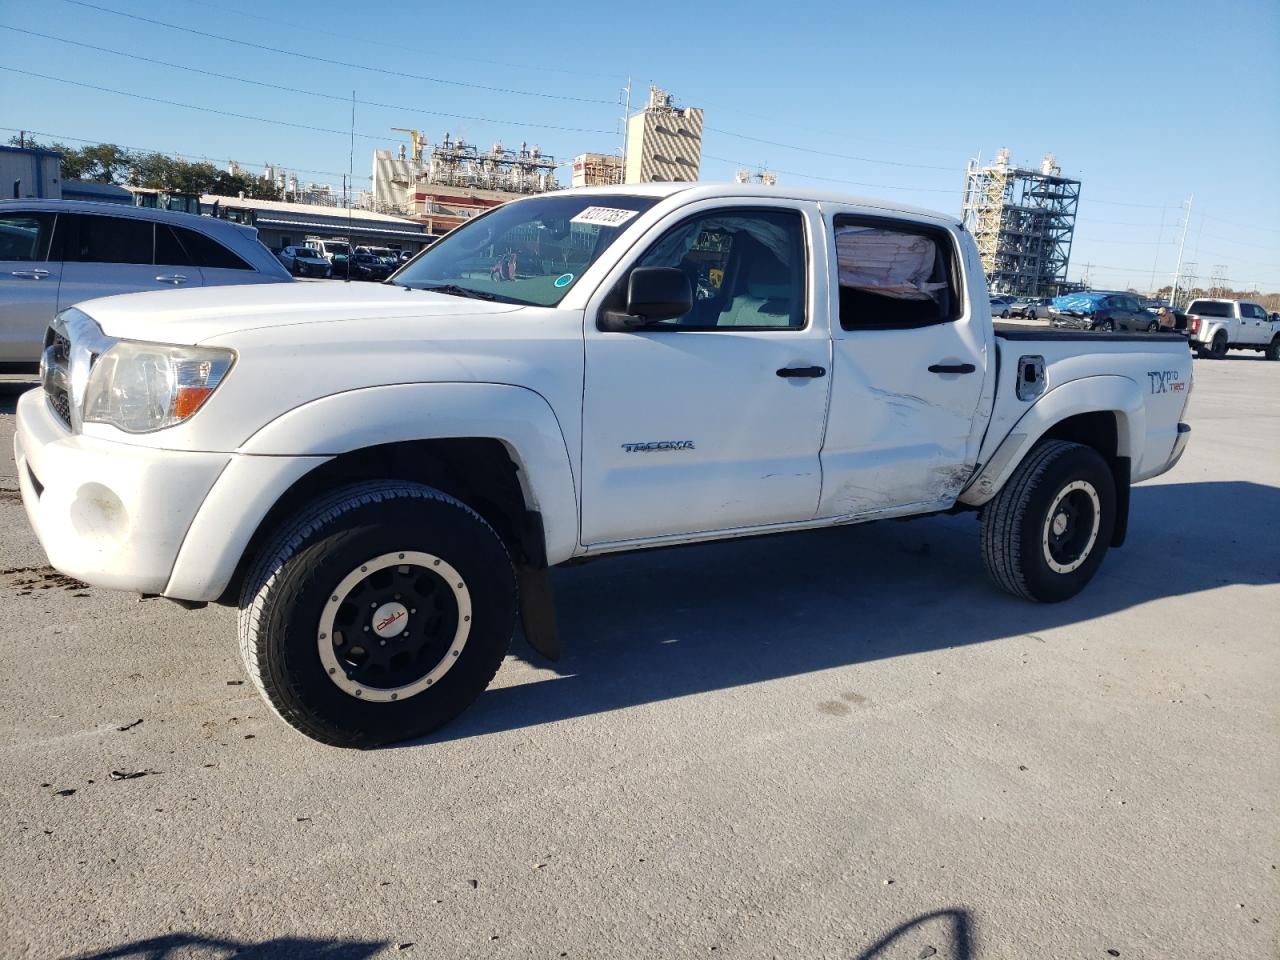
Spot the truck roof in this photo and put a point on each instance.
(756, 191)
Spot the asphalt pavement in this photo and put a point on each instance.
(837, 744)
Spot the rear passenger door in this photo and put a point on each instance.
(910, 364)
(28, 284)
(106, 255)
(218, 265)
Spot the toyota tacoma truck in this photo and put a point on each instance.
(380, 476)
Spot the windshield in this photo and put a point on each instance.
(530, 252)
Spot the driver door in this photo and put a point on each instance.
(712, 421)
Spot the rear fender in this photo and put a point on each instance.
(1114, 394)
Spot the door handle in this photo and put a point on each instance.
(952, 368)
(809, 373)
(174, 278)
(30, 274)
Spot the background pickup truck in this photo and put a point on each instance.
(1216, 326)
(379, 476)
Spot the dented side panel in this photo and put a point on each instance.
(898, 434)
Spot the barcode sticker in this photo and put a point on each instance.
(604, 216)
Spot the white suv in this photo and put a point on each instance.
(55, 253)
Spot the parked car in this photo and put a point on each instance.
(305, 262)
(55, 253)
(385, 254)
(1031, 308)
(1215, 326)
(385, 478)
(1101, 310)
(366, 266)
(1001, 306)
(331, 249)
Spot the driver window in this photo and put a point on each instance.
(746, 269)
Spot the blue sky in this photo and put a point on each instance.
(1145, 103)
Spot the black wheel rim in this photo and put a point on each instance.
(1071, 527)
(394, 626)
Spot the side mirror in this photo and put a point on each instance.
(653, 294)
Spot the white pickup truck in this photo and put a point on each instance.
(379, 476)
(1215, 326)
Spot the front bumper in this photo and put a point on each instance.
(125, 517)
(110, 514)
(1072, 323)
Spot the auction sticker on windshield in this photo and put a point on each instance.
(604, 216)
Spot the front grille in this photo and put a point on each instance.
(55, 373)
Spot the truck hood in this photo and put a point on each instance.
(192, 316)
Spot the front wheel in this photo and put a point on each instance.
(379, 613)
(1106, 326)
(1045, 533)
(1273, 349)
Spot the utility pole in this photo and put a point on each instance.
(1173, 292)
(626, 127)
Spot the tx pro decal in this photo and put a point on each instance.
(658, 445)
(1166, 381)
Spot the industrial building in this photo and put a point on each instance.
(445, 185)
(1023, 220)
(664, 142)
(597, 170)
(282, 224)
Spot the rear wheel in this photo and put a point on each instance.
(1217, 348)
(377, 614)
(1045, 533)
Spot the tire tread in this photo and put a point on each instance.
(291, 538)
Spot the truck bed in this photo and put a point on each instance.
(1019, 332)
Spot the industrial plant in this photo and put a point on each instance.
(1023, 220)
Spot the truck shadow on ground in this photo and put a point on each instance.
(192, 945)
(657, 625)
(945, 934)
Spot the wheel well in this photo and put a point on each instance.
(1097, 430)
(478, 471)
(1100, 431)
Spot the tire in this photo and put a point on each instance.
(1025, 550)
(1153, 326)
(1218, 348)
(1272, 351)
(1004, 314)
(356, 695)
(1106, 326)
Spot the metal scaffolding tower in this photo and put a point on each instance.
(1023, 221)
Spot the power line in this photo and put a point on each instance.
(821, 153)
(810, 176)
(331, 61)
(192, 106)
(298, 90)
(360, 38)
(59, 137)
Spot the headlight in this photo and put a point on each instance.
(141, 387)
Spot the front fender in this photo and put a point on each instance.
(518, 417)
(287, 448)
(1112, 394)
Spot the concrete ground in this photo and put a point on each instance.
(840, 744)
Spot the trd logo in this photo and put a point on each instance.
(1165, 381)
(658, 445)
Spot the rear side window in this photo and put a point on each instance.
(207, 252)
(893, 275)
(25, 236)
(1210, 308)
(169, 249)
(98, 239)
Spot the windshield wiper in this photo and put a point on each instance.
(456, 291)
